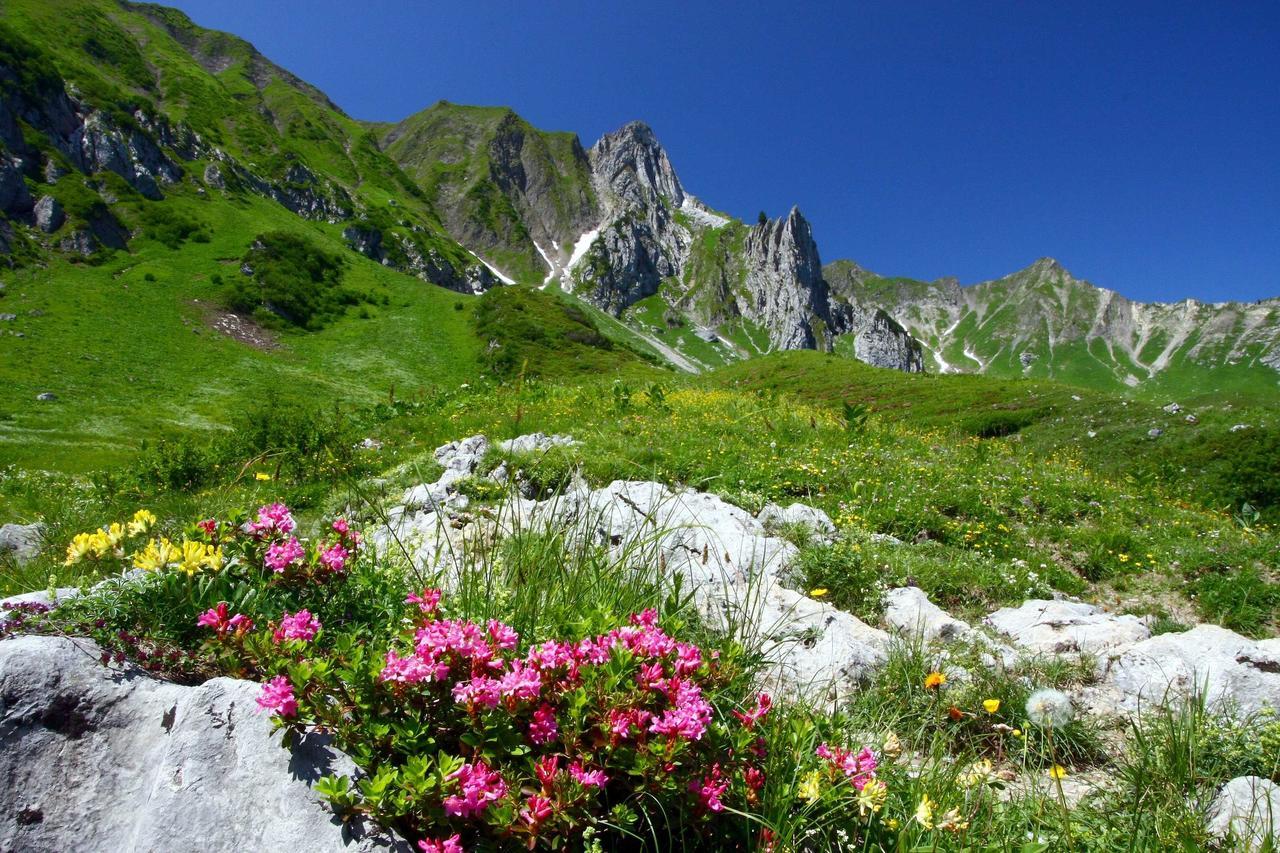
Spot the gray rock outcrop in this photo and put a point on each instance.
(908, 611)
(1232, 672)
(1066, 627)
(726, 559)
(49, 214)
(808, 518)
(99, 758)
(1246, 812)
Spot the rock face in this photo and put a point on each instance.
(1231, 671)
(112, 759)
(810, 519)
(785, 291)
(1063, 627)
(616, 225)
(1246, 811)
(49, 215)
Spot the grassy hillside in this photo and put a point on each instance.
(134, 347)
(1204, 461)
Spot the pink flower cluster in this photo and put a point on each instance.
(217, 619)
(277, 697)
(282, 555)
(711, 789)
(859, 768)
(273, 519)
(764, 702)
(452, 844)
(297, 626)
(478, 788)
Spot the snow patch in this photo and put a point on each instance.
(552, 267)
(503, 277)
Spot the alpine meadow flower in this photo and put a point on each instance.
(297, 626)
(141, 522)
(277, 697)
(282, 555)
(452, 844)
(479, 787)
(1049, 708)
(924, 812)
(991, 706)
(810, 789)
(872, 796)
(934, 680)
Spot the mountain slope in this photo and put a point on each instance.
(1043, 322)
(136, 92)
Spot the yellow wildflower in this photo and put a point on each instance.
(811, 787)
(114, 534)
(934, 680)
(924, 812)
(991, 705)
(198, 555)
(819, 592)
(951, 822)
(872, 796)
(82, 545)
(979, 773)
(141, 522)
(213, 558)
(262, 476)
(892, 747)
(1057, 771)
(156, 555)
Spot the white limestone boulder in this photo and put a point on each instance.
(1066, 627)
(98, 758)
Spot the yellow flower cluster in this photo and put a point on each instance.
(951, 821)
(107, 539)
(190, 557)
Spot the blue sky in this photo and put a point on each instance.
(1138, 143)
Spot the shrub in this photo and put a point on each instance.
(294, 280)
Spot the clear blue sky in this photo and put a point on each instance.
(1138, 143)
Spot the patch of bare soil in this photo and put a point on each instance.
(237, 326)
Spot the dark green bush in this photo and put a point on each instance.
(293, 280)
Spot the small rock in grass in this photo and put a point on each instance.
(908, 610)
(1155, 433)
(810, 518)
(46, 396)
(1247, 811)
(23, 540)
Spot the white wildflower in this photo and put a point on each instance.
(1049, 708)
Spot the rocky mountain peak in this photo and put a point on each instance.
(1047, 267)
(631, 165)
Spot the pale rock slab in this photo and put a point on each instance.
(800, 515)
(1246, 811)
(908, 611)
(1066, 627)
(99, 758)
(1230, 670)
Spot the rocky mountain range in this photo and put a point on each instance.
(108, 108)
(1043, 322)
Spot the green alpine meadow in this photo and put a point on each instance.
(449, 484)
